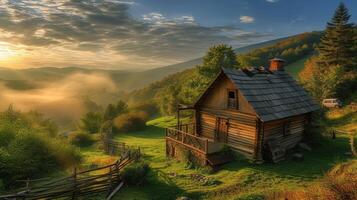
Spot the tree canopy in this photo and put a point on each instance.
(336, 45)
(333, 71)
(218, 56)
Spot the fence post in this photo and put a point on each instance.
(352, 138)
(74, 183)
(206, 146)
(117, 171)
(110, 180)
(27, 185)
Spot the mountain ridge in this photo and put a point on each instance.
(127, 80)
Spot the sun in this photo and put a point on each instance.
(6, 51)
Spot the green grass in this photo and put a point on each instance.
(295, 68)
(237, 179)
(166, 121)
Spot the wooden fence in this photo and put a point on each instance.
(104, 179)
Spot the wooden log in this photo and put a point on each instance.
(111, 195)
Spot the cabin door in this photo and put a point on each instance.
(222, 129)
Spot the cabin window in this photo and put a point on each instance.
(232, 99)
(286, 128)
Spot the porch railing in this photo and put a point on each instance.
(187, 139)
(189, 128)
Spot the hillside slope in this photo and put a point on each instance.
(181, 82)
(22, 79)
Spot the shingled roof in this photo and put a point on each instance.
(273, 95)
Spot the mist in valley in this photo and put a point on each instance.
(65, 100)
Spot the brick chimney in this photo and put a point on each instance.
(276, 64)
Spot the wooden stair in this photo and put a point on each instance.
(218, 159)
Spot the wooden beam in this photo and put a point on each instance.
(178, 116)
(188, 146)
(115, 191)
(185, 107)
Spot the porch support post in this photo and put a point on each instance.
(178, 117)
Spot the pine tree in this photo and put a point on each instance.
(336, 45)
(217, 56)
(354, 49)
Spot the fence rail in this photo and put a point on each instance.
(80, 184)
(189, 140)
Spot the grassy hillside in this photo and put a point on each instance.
(295, 68)
(240, 179)
(184, 86)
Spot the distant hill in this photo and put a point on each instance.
(23, 79)
(295, 50)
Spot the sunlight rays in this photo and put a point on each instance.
(6, 51)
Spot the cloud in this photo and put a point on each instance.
(103, 33)
(272, 1)
(246, 19)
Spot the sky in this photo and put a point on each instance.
(144, 34)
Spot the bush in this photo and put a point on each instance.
(91, 122)
(27, 150)
(133, 121)
(136, 174)
(148, 107)
(81, 139)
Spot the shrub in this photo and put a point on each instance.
(27, 149)
(186, 156)
(149, 107)
(133, 121)
(136, 174)
(113, 111)
(81, 139)
(91, 122)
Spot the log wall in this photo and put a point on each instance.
(241, 129)
(296, 127)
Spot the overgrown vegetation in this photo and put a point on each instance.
(29, 147)
(132, 121)
(136, 174)
(81, 139)
(91, 122)
(339, 183)
(333, 72)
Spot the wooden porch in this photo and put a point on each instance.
(185, 136)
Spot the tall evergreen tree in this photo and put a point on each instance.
(336, 45)
(354, 49)
(217, 56)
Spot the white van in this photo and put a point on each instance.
(332, 103)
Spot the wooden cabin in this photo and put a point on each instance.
(257, 112)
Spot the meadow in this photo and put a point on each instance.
(240, 179)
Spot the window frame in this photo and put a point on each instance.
(236, 102)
